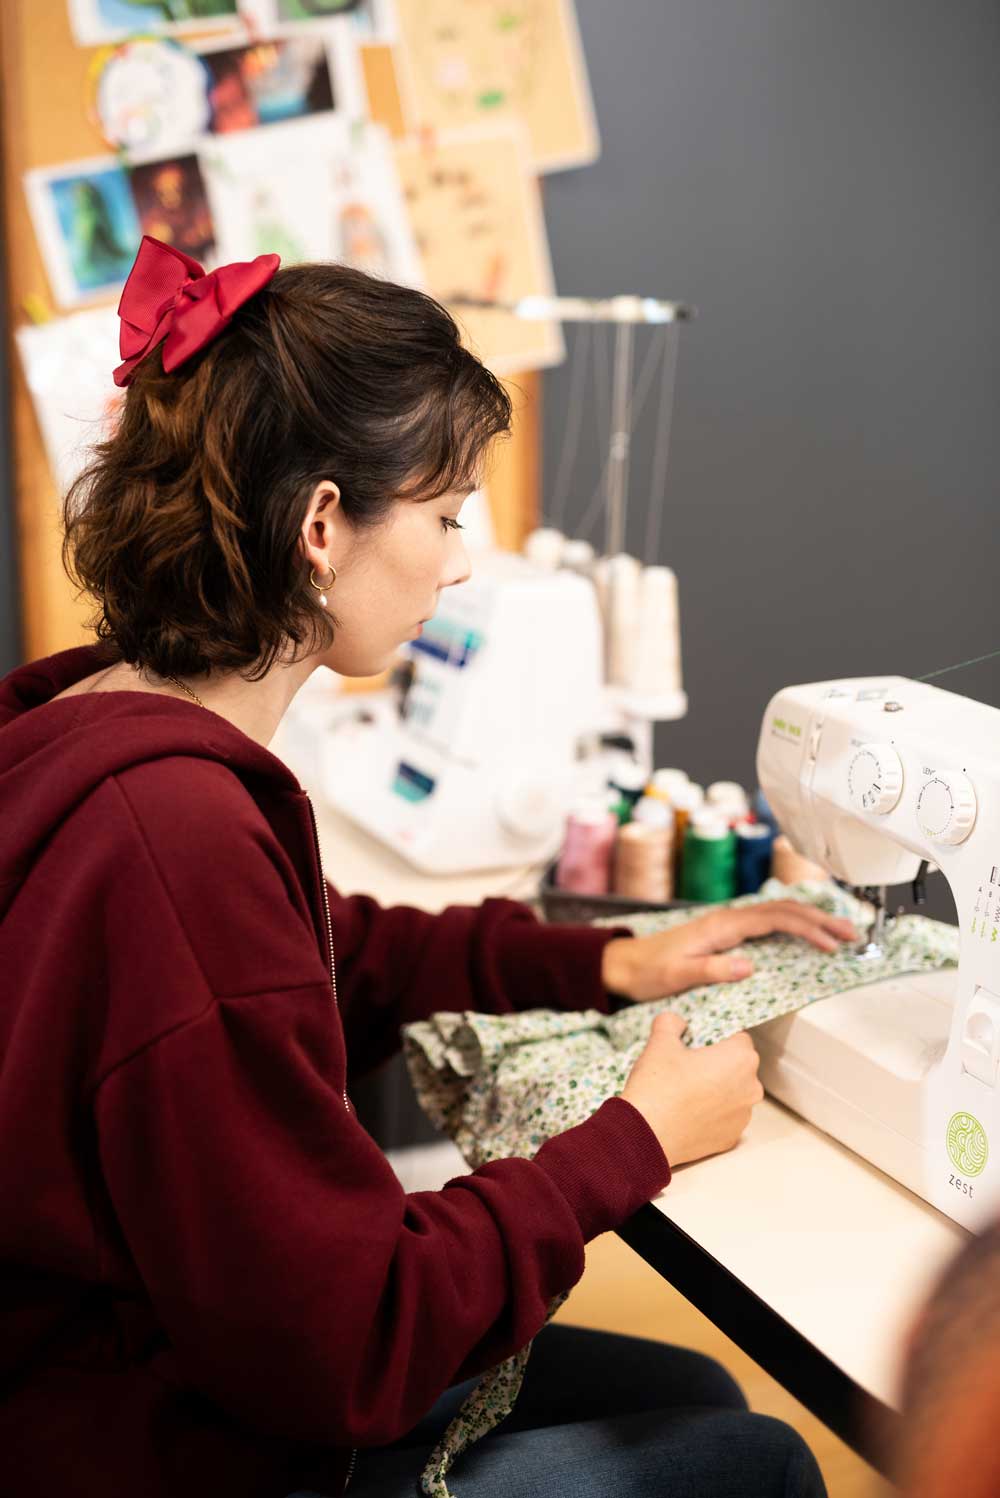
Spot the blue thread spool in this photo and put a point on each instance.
(762, 811)
(754, 844)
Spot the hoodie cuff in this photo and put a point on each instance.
(560, 962)
(607, 1167)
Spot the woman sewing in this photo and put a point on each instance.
(211, 1282)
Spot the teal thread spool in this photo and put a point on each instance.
(708, 872)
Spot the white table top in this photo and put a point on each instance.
(840, 1251)
(355, 862)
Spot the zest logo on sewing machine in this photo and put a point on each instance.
(968, 1149)
(785, 730)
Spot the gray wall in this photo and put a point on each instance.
(819, 177)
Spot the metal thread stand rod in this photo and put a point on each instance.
(619, 446)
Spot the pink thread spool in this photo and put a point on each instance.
(584, 865)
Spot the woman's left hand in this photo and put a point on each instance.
(668, 962)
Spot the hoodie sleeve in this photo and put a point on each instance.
(300, 1288)
(298, 1285)
(397, 964)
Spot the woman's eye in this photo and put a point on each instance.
(451, 525)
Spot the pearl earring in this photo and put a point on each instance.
(322, 587)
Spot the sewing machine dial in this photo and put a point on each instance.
(946, 807)
(875, 778)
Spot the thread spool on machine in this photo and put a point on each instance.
(637, 600)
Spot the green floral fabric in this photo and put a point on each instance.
(500, 1085)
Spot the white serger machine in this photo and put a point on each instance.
(479, 760)
(498, 729)
(875, 779)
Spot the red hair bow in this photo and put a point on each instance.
(168, 295)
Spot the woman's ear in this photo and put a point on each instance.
(322, 525)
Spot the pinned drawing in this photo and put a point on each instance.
(149, 94)
(269, 81)
(87, 227)
(311, 190)
(462, 63)
(98, 21)
(477, 218)
(172, 204)
(67, 364)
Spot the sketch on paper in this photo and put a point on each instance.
(464, 63)
(68, 365)
(476, 213)
(311, 190)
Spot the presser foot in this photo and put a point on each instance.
(871, 947)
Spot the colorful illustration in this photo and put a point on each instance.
(476, 214)
(172, 204)
(96, 229)
(370, 228)
(267, 82)
(316, 187)
(96, 21)
(499, 59)
(150, 94)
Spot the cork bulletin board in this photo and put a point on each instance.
(44, 122)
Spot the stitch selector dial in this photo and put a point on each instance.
(946, 807)
(875, 778)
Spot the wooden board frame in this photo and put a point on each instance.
(43, 89)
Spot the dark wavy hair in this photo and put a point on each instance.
(185, 525)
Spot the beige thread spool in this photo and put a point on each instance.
(643, 863)
(623, 617)
(653, 811)
(655, 662)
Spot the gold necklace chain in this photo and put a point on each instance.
(178, 683)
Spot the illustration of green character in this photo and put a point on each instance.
(92, 233)
(186, 10)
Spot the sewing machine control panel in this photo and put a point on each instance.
(946, 806)
(875, 778)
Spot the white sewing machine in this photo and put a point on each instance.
(871, 777)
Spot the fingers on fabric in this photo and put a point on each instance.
(797, 920)
(669, 1026)
(724, 969)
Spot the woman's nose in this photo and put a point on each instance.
(459, 568)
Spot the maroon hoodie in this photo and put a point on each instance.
(211, 1281)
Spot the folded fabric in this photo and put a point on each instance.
(500, 1085)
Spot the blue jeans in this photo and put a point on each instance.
(602, 1414)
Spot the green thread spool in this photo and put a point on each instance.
(708, 872)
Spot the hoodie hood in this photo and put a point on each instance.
(54, 754)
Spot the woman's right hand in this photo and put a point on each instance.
(697, 1102)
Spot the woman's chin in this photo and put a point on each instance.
(361, 666)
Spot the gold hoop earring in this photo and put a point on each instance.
(322, 587)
